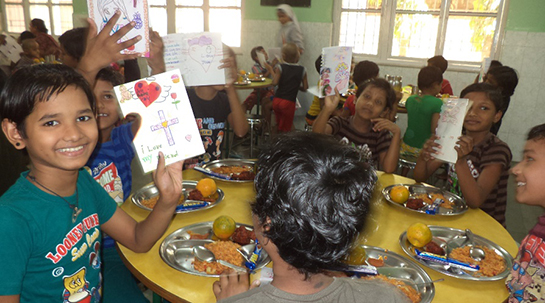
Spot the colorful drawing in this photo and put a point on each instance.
(165, 125)
(335, 71)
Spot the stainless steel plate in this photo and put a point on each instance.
(150, 190)
(443, 235)
(418, 275)
(177, 248)
(259, 79)
(459, 205)
(229, 162)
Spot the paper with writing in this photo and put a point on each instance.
(449, 127)
(335, 70)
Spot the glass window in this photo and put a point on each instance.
(19, 13)
(189, 20)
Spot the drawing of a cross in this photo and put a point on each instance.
(165, 124)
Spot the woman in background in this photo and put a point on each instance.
(48, 45)
(290, 32)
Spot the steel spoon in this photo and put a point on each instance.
(474, 252)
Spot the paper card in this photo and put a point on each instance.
(11, 49)
(485, 65)
(335, 70)
(198, 57)
(275, 52)
(449, 127)
(261, 58)
(168, 124)
(131, 10)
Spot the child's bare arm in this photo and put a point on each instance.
(320, 124)
(156, 60)
(232, 283)
(434, 122)
(426, 164)
(237, 117)
(304, 83)
(276, 76)
(389, 159)
(141, 236)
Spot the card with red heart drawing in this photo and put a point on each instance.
(197, 55)
(168, 123)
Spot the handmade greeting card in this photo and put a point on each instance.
(131, 10)
(449, 127)
(168, 124)
(10, 48)
(335, 70)
(198, 57)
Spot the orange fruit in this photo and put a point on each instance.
(224, 227)
(419, 234)
(242, 72)
(251, 75)
(399, 194)
(207, 187)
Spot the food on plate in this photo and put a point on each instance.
(412, 294)
(196, 236)
(224, 227)
(207, 187)
(419, 234)
(492, 264)
(357, 256)
(236, 172)
(243, 236)
(414, 203)
(424, 197)
(222, 250)
(434, 248)
(378, 262)
(150, 203)
(429, 198)
(251, 75)
(399, 194)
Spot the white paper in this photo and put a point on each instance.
(11, 49)
(198, 57)
(335, 70)
(275, 52)
(261, 58)
(131, 10)
(449, 127)
(168, 123)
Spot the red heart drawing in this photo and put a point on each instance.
(173, 95)
(147, 93)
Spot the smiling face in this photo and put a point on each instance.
(482, 114)
(107, 108)
(371, 103)
(529, 173)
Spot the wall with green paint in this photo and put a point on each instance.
(526, 16)
(80, 7)
(319, 11)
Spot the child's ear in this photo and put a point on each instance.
(498, 115)
(12, 134)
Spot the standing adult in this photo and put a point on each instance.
(290, 32)
(48, 45)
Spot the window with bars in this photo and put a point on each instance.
(460, 30)
(57, 15)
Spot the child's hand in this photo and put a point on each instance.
(463, 146)
(156, 59)
(429, 148)
(380, 124)
(232, 283)
(331, 102)
(168, 180)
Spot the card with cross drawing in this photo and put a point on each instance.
(168, 123)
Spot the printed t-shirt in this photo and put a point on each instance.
(420, 110)
(50, 258)
(290, 81)
(527, 278)
(370, 144)
(490, 151)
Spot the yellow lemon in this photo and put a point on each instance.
(399, 194)
(207, 187)
(419, 234)
(224, 227)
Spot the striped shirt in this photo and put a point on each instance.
(490, 151)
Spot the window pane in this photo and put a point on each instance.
(224, 3)
(419, 5)
(361, 31)
(362, 4)
(61, 1)
(490, 6)
(188, 2)
(189, 20)
(38, 1)
(15, 18)
(158, 20)
(469, 38)
(230, 31)
(41, 12)
(415, 35)
(157, 2)
(14, 1)
(63, 18)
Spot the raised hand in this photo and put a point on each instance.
(463, 146)
(430, 148)
(156, 60)
(168, 180)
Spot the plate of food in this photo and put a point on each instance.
(191, 200)
(448, 253)
(258, 79)
(243, 82)
(424, 199)
(237, 170)
(177, 249)
(403, 273)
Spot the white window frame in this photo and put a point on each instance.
(387, 23)
(26, 13)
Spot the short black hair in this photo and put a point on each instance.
(254, 51)
(109, 74)
(379, 83)
(428, 76)
(73, 42)
(316, 194)
(506, 78)
(492, 93)
(439, 62)
(537, 133)
(25, 35)
(364, 70)
(37, 83)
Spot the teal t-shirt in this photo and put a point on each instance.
(46, 257)
(420, 110)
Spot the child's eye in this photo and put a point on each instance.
(484, 108)
(108, 97)
(84, 118)
(51, 123)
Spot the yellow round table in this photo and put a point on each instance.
(387, 222)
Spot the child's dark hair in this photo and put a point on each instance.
(38, 83)
(25, 35)
(537, 133)
(39, 24)
(492, 93)
(379, 83)
(506, 78)
(73, 42)
(316, 193)
(318, 64)
(428, 76)
(440, 62)
(254, 51)
(109, 74)
(364, 70)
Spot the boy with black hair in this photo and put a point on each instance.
(312, 200)
(441, 63)
(481, 171)
(72, 46)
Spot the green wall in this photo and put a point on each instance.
(526, 16)
(319, 11)
(80, 7)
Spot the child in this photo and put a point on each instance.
(290, 32)
(505, 79)
(369, 130)
(290, 78)
(31, 54)
(422, 112)
(363, 71)
(265, 94)
(312, 201)
(71, 45)
(441, 63)
(525, 282)
(481, 172)
(213, 106)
